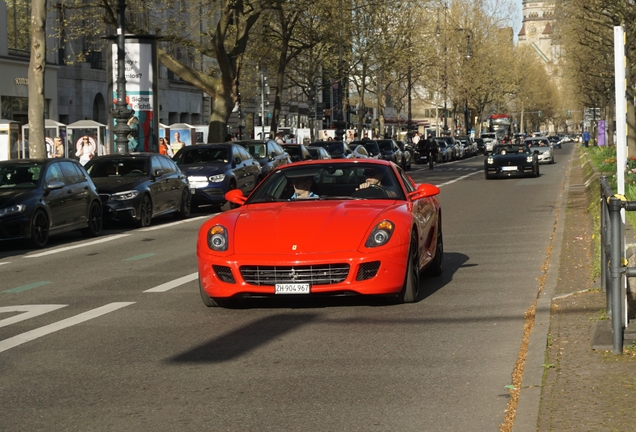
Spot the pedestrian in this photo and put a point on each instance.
(279, 138)
(431, 150)
(586, 138)
(85, 149)
(416, 138)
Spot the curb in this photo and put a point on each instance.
(527, 413)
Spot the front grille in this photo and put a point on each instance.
(313, 275)
(104, 197)
(368, 270)
(224, 274)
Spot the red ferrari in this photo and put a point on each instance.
(327, 227)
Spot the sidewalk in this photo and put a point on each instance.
(582, 389)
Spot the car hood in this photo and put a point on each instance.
(307, 227)
(117, 184)
(206, 169)
(11, 196)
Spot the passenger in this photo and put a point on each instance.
(302, 188)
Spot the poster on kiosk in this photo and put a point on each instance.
(141, 92)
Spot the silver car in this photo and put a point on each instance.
(543, 148)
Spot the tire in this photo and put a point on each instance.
(185, 206)
(411, 288)
(552, 161)
(229, 205)
(213, 302)
(39, 229)
(436, 266)
(145, 212)
(488, 176)
(95, 221)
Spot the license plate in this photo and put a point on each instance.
(292, 288)
(509, 168)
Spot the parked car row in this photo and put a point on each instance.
(448, 149)
(42, 197)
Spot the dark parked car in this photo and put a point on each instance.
(267, 152)
(452, 146)
(390, 151)
(42, 197)
(481, 145)
(140, 186)
(337, 149)
(297, 152)
(214, 169)
(371, 145)
(407, 155)
(318, 153)
(445, 153)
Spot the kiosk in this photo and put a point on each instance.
(52, 130)
(182, 134)
(90, 132)
(10, 145)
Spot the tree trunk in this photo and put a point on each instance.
(37, 67)
(221, 111)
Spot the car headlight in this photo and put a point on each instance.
(126, 195)
(18, 208)
(490, 160)
(381, 234)
(197, 179)
(216, 178)
(217, 238)
(529, 159)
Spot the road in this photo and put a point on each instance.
(110, 333)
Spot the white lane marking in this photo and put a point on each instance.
(29, 311)
(175, 283)
(174, 223)
(64, 249)
(14, 341)
(6, 262)
(458, 179)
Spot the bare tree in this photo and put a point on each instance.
(37, 68)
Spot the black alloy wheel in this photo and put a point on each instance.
(185, 206)
(39, 229)
(95, 221)
(411, 288)
(145, 212)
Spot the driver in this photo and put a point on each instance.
(374, 179)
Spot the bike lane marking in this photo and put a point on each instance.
(140, 257)
(20, 339)
(27, 287)
(174, 283)
(28, 311)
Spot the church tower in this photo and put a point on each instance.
(537, 30)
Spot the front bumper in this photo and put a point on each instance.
(375, 273)
(509, 171)
(213, 193)
(15, 226)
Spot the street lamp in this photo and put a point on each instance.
(121, 111)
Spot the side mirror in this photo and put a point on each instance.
(53, 186)
(237, 160)
(158, 172)
(424, 190)
(236, 196)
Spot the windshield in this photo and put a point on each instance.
(258, 151)
(295, 154)
(385, 145)
(335, 148)
(118, 168)
(512, 149)
(202, 155)
(20, 176)
(342, 181)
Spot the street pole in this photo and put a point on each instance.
(121, 112)
(409, 125)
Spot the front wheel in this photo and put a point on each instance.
(145, 212)
(39, 229)
(95, 221)
(436, 266)
(185, 207)
(411, 287)
(213, 302)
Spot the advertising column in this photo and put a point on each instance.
(141, 92)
